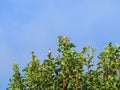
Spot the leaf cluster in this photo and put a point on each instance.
(70, 70)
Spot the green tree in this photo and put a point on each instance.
(108, 66)
(32, 74)
(70, 69)
(16, 82)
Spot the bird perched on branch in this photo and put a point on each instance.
(49, 53)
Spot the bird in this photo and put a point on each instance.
(49, 51)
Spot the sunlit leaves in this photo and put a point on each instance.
(70, 69)
(16, 82)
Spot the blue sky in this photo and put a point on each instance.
(33, 25)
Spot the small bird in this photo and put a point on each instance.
(49, 54)
(49, 51)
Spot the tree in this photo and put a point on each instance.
(70, 69)
(16, 81)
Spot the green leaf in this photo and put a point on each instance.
(69, 85)
(116, 77)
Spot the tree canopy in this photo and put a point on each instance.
(70, 69)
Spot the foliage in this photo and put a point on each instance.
(70, 70)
